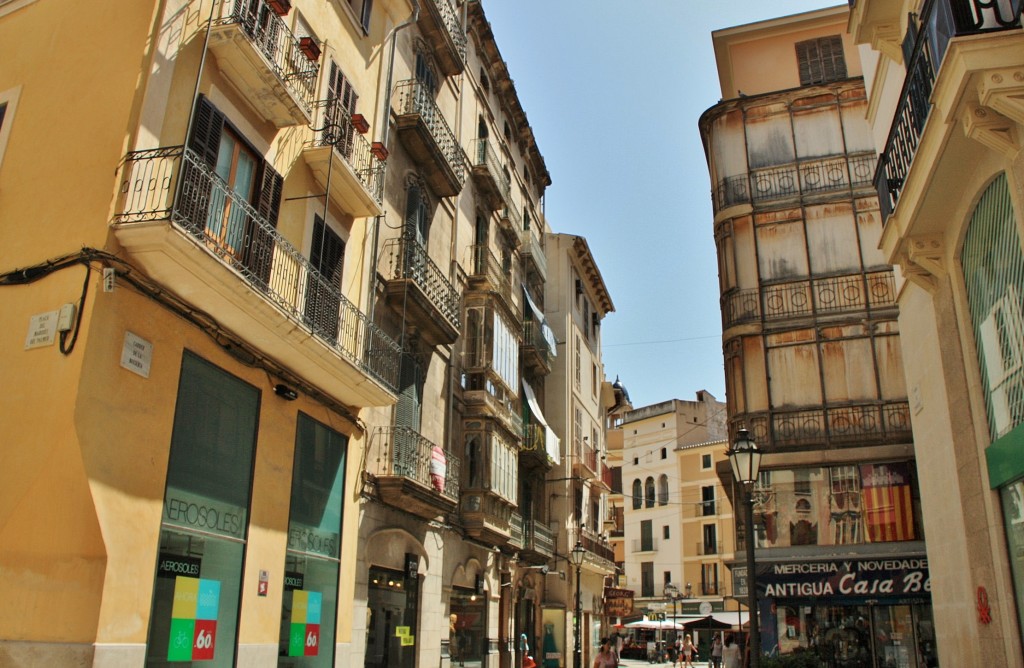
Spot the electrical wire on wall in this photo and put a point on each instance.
(129, 274)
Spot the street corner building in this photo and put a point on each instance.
(814, 351)
(283, 305)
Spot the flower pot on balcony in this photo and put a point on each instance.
(309, 48)
(360, 123)
(280, 7)
(378, 150)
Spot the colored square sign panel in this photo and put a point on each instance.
(304, 635)
(193, 619)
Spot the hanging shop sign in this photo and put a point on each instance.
(860, 579)
(618, 602)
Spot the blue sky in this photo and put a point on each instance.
(613, 91)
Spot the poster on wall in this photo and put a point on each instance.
(194, 619)
(304, 637)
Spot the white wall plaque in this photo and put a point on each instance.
(137, 354)
(42, 330)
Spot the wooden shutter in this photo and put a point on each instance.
(207, 128)
(326, 257)
(193, 202)
(410, 394)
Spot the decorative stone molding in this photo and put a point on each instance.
(993, 129)
(887, 38)
(921, 260)
(1003, 90)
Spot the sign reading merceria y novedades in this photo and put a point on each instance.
(854, 578)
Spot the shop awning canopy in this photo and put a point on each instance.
(655, 625)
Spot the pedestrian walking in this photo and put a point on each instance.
(716, 651)
(731, 652)
(689, 651)
(606, 657)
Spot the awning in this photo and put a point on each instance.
(546, 332)
(551, 443)
(655, 625)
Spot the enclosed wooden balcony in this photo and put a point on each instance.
(415, 285)
(828, 427)
(536, 541)
(263, 60)
(427, 137)
(342, 162)
(412, 474)
(439, 23)
(194, 235)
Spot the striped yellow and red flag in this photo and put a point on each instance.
(888, 509)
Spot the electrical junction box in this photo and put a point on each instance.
(65, 318)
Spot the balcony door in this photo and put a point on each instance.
(323, 285)
(407, 416)
(226, 220)
(341, 104)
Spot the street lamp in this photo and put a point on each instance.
(576, 556)
(746, 461)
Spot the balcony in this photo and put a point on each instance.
(812, 297)
(941, 21)
(261, 58)
(585, 462)
(536, 350)
(193, 234)
(440, 25)
(881, 423)
(538, 541)
(416, 286)
(805, 178)
(426, 135)
(641, 545)
(341, 161)
(534, 446)
(532, 251)
(488, 274)
(488, 173)
(485, 396)
(510, 220)
(407, 473)
(711, 589)
(486, 517)
(600, 555)
(706, 549)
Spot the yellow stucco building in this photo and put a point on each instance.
(275, 273)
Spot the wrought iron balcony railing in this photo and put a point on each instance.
(829, 426)
(175, 184)
(533, 250)
(413, 97)
(450, 19)
(806, 177)
(335, 129)
(704, 549)
(485, 154)
(498, 277)
(819, 296)
(403, 452)
(271, 36)
(535, 343)
(598, 546)
(941, 20)
(410, 261)
(538, 537)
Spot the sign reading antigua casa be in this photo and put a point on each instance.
(892, 578)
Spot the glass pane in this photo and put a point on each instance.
(211, 451)
(318, 481)
(1013, 511)
(195, 603)
(309, 612)
(467, 630)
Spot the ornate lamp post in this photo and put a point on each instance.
(746, 463)
(576, 557)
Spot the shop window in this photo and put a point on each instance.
(309, 603)
(205, 518)
(392, 613)
(467, 626)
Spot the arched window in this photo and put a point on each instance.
(638, 494)
(649, 492)
(993, 265)
(663, 490)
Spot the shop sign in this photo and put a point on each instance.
(739, 581)
(302, 538)
(618, 602)
(173, 565)
(192, 511)
(293, 580)
(860, 579)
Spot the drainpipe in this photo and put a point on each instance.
(385, 132)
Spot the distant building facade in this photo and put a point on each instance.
(813, 359)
